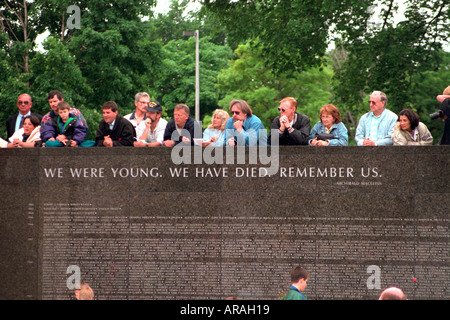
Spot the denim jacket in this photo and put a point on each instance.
(385, 128)
(338, 130)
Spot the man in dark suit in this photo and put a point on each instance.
(293, 127)
(182, 128)
(114, 130)
(24, 104)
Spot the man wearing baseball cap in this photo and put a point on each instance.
(153, 134)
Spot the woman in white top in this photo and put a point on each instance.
(410, 131)
(27, 135)
(213, 135)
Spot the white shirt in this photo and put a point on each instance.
(138, 126)
(158, 134)
(20, 119)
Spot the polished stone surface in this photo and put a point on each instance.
(134, 222)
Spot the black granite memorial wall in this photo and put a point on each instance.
(138, 224)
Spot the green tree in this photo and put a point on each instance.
(57, 68)
(388, 57)
(424, 91)
(178, 19)
(294, 34)
(10, 85)
(176, 83)
(113, 51)
(171, 26)
(20, 22)
(250, 79)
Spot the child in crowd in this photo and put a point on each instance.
(64, 130)
(299, 279)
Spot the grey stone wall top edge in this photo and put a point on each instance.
(283, 150)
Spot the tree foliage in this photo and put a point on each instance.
(389, 56)
(293, 33)
(111, 57)
(261, 51)
(424, 90)
(249, 78)
(177, 79)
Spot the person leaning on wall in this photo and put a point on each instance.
(28, 136)
(375, 128)
(114, 130)
(213, 134)
(329, 131)
(244, 128)
(293, 127)
(409, 131)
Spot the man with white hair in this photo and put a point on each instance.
(375, 128)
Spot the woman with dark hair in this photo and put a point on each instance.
(330, 123)
(28, 135)
(410, 131)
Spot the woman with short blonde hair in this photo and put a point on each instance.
(213, 135)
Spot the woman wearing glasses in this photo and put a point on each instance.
(329, 131)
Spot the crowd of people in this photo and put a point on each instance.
(65, 126)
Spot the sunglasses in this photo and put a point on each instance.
(281, 109)
(236, 112)
(23, 102)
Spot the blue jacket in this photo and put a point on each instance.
(385, 128)
(253, 132)
(339, 130)
(73, 129)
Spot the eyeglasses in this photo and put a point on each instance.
(281, 109)
(236, 112)
(23, 102)
(326, 117)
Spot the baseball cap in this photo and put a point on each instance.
(154, 106)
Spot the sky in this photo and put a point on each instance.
(162, 6)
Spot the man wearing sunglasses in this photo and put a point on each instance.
(293, 127)
(244, 128)
(15, 122)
